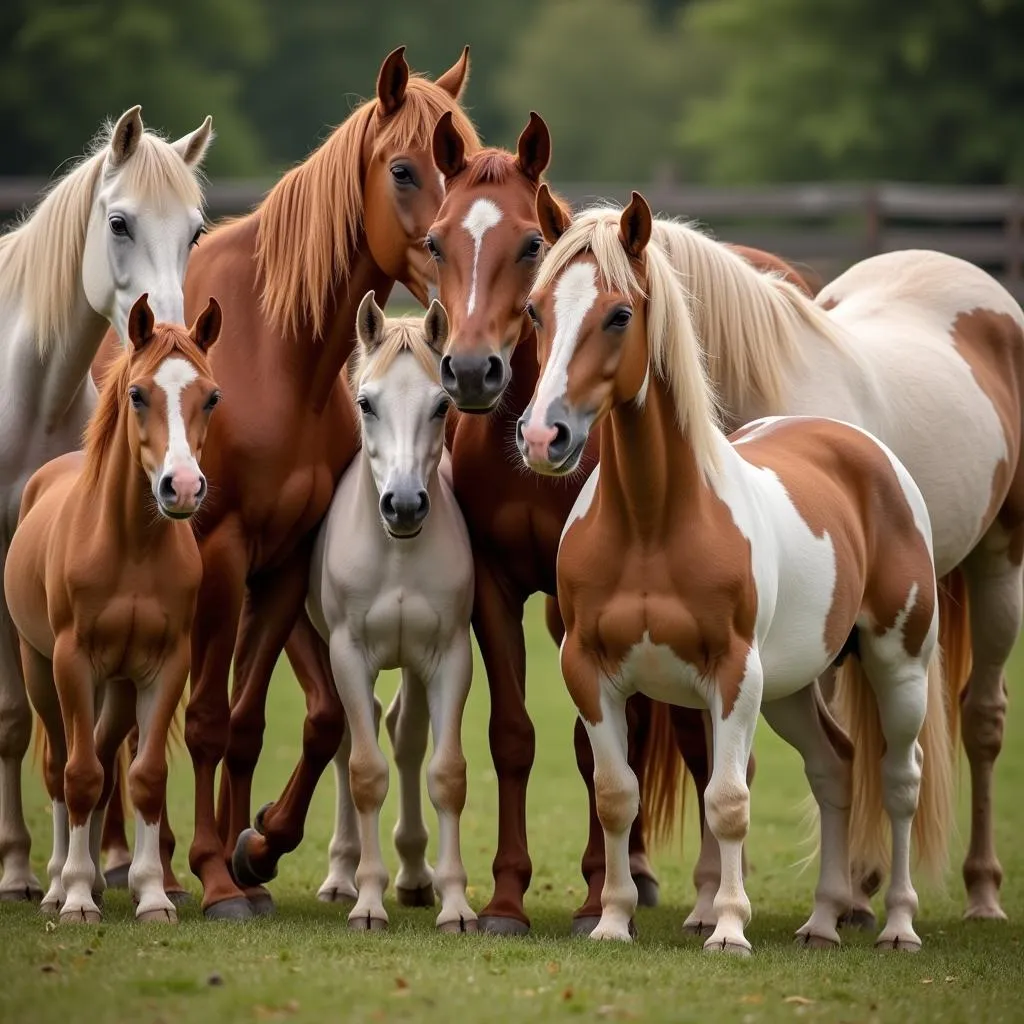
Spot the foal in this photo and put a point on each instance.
(101, 580)
(729, 576)
(392, 587)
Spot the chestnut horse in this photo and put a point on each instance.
(730, 576)
(487, 243)
(101, 581)
(290, 275)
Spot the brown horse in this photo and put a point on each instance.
(290, 275)
(101, 580)
(487, 243)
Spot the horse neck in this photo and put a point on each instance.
(649, 475)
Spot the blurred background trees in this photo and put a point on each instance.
(719, 91)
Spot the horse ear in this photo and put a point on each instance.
(193, 146)
(369, 322)
(533, 151)
(141, 322)
(206, 330)
(125, 137)
(392, 81)
(550, 215)
(435, 326)
(449, 146)
(635, 226)
(454, 80)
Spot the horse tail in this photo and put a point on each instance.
(857, 712)
(664, 781)
(40, 743)
(955, 641)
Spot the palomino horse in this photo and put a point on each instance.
(729, 576)
(120, 223)
(487, 243)
(350, 219)
(101, 581)
(392, 587)
(927, 352)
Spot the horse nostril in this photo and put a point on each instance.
(201, 492)
(494, 375)
(520, 433)
(559, 445)
(165, 490)
(448, 379)
(387, 505)
(422, 506)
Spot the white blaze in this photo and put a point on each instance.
(482, 216)
(174, 376)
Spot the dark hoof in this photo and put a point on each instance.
(246, 874)
(421, 897)
(237, 908)
(460, 927)
(179, 897)
(257, 822)
(864, 920)
(367, 924)
(117, 878)
(26, 895)
(585, 925)
(262, 903)
(646, 891)
(494, 925)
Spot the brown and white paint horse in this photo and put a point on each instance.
(101, 580)
(729, 576)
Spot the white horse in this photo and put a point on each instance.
(398, 597)
(120, 223)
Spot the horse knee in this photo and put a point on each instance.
(83, 783)
(446, 782)
(982, 726)
(324, 729)
(368, 777)
(15, 721)
(618, 801)
(513, 746)
(147, 784)
(727, 805)
(206, 735)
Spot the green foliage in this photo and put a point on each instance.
(925, 90)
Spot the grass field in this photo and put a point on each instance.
(304, 965)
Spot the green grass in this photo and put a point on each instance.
(305, 966)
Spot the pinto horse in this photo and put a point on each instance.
(487, 244)
(730, 576)
(120, 223)
(927, 352)
(101, 581)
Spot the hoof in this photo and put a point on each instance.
(237, 908)
(899, 945)
(336, 895)
(367, 924)
(49, 909)
(242, 867)
(809, 941)
(179, 897)
(421, 897)
(985, 912)
(584, 925)
(724, 946)
(81, 916)
(262, 903)
(257, 822)
(117, 878)
(646, 891)
(863, 920)
(700, 929)
(158, 917)
(28, 894)
(461, 927)
(494, 925)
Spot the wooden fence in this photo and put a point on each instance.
(824, 227)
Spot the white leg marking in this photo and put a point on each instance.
(78, 875)
(55, 894)
(482, 216)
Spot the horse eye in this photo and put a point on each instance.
(211, 402)
(136, 398)
(532, 250)
(432, 248)
(200, 231)
(119, 226)
(531, 312)
(364, 405)
(620, 318)
(402, 175)
(442, 409)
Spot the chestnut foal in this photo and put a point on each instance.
(101, 580)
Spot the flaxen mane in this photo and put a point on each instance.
(401, 334)
(41, 259)
(675, 354)
(310, 220)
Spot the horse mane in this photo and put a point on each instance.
(41, 258)
(401, 334)
(310, 220)
(749, 322)
(102, 428)
(676, 356)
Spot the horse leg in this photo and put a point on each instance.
(214, 629)
(994, 586)
(408, 725)
(446, 693)
(17, 882)
(638, 719)
(343, 853)
(498, 625)
(155, 705)
(804, 724)
(117, 857)
(279, 825)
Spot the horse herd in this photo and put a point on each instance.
(745, 498)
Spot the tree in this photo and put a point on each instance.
(857, 89)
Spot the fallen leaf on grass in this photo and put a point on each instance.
(754, 999)
(554, 967)
(48, 968)
(567, 993)
(799, 1000)
(950, 977)
(927, 981)
(401, 987)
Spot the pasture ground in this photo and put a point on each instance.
(304, 965)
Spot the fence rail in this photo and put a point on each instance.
(825, 227)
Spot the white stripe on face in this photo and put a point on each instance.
(482, 216)
(174, 375)
(575, 293)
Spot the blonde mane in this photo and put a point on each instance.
(675, 353)
(401, 334)
(41, 258)
(309, 221)
(749, 322)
